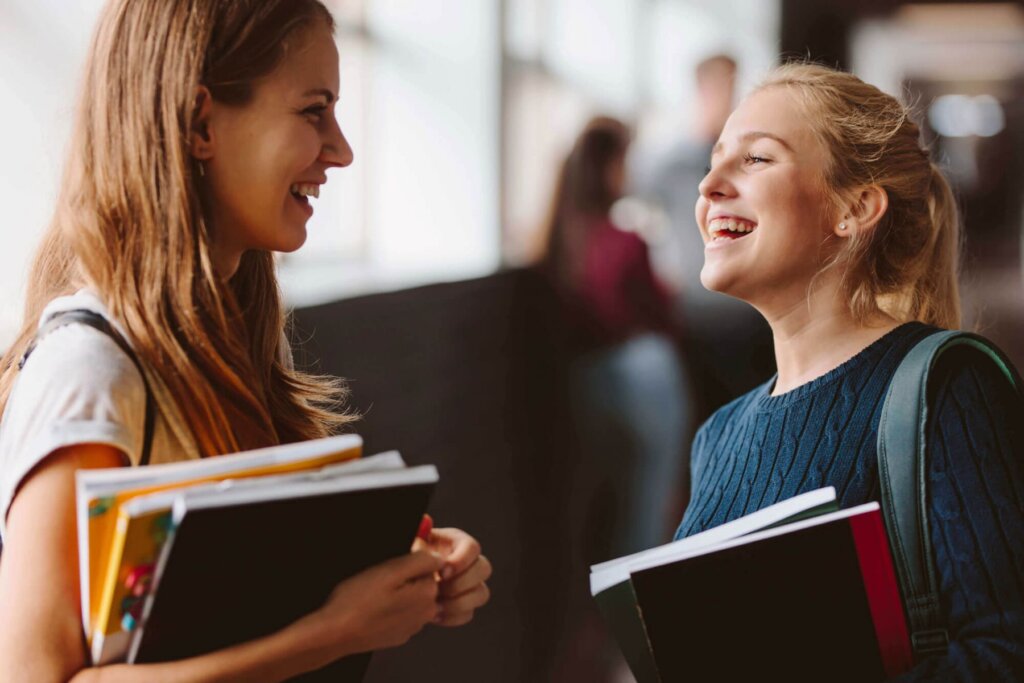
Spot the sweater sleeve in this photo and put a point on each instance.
(976, 507)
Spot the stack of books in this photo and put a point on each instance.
(798, 591)
(182, 559)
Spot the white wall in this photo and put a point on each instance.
(42, 50)
(684, 32)
(421, 100)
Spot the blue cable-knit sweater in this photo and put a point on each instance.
(761, 449)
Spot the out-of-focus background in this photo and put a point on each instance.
(416, 282)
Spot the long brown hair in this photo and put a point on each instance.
(130, 224)
(582, 194)
(908, 265)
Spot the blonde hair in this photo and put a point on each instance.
(907, 267)
(129, 221)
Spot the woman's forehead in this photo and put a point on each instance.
(310, 62)
(775, 114)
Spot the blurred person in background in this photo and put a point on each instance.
(727, 343)
(627, 381)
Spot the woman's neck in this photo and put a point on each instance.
(818, 335)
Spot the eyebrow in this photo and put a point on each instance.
(754, 135)
(331, 97)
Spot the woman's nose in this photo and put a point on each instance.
(716, 183)
(336, 151)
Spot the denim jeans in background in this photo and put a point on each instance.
(632, 413)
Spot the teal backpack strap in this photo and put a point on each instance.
(903, 476)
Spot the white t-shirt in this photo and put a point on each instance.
(79, 387)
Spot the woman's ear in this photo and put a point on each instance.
(863, 212)
(201, 138)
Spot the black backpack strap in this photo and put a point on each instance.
(903, 475)
(98, 322)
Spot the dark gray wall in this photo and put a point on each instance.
(465, 376)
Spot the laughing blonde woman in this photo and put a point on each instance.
(823, 211)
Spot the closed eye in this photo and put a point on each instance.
(315, 112)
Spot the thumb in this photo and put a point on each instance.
(415, 565)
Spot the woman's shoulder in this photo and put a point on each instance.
(965, 366)
(77, 355)
(974, 378)
(76, 386)
(73, 371)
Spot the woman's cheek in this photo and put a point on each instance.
(700, 211)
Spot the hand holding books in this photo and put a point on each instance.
(463, 586)
(381, 607)
(315, 541)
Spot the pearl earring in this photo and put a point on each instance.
(842, 226)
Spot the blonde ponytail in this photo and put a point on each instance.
(936, 294)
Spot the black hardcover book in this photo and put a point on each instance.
(233, 571)
(794, 605)
(812, 600)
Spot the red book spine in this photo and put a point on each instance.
(883, 593)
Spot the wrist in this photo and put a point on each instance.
(323, 639)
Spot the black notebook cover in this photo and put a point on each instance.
(792, 608)
(241, 572)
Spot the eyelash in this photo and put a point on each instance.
(316, 110)
(748, 158)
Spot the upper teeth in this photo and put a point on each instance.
(731, 224)
(306, 189)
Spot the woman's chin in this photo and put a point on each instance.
(715, 280)
(290, 241)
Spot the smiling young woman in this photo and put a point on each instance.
(822, 210)
(204, 127)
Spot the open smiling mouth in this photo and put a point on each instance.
(729, 229)
(303, 191)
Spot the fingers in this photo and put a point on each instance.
(423, 592)
(460, 597)
(459, 548)
(421, 564)
(463, 587)
(459, 611)
(479, 572)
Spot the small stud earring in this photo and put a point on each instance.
(842, 226)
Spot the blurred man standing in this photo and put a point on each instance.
(728, 343)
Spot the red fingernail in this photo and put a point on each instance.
(426, 526)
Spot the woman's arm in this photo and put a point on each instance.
(42, 638)
(976, 491)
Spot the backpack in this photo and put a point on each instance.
(903, 476)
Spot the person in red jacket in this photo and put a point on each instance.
(627, 382)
